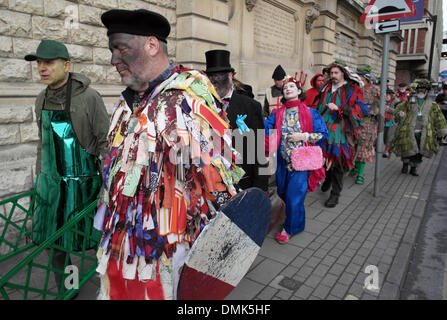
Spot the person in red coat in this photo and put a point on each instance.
(317, 83)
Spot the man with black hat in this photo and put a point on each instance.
(72, 122)
(156, 202)
(273, 94)
(221, 74)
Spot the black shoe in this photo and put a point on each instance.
(326, 185)
(331, 202)
(405, 168)
(413, 171)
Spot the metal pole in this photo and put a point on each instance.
(432, 48)
(383, 87)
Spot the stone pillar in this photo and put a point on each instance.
(366, 50)
(395, 41)
(323, 35)
(243, 54)
(202, 25)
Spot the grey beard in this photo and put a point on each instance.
(421, 95)
(135, 83)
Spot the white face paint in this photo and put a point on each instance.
(291, 92)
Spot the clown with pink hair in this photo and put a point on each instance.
(289, 127)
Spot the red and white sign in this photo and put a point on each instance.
(379, 10)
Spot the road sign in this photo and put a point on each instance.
(379, 10)
(419, 4)
(443, 74)
(387, 26)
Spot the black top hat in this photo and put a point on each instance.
(138, 22)
(279, 73)
(218, 61)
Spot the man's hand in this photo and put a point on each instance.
(299, 136)
(332, 106)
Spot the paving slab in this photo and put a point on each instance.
(328, 259)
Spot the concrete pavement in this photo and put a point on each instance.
(328, 259)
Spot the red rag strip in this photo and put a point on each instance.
(154, 287)
(136, 290)
(117, 286)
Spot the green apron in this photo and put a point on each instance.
(69, 180)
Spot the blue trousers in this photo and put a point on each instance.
(292, 189)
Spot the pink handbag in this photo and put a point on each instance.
(307, 158)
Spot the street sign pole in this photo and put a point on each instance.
(383, 87)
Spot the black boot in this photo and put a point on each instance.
(413, 171)
(332, 201)
(405, 168)
(326, 185)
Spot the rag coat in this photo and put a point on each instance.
(344, 124)
(404, 143)
(154, 204)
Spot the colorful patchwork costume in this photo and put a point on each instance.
(366, 144)
(163, 179)
(343, 127)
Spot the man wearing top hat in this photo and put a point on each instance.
(238, 106)
(273, 94)
(161, 170)
(72, 122)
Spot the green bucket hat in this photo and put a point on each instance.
(364, 70)
(49, 50)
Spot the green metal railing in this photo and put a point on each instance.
(28, 270)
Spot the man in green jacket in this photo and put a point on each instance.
(73, 125)
(419, 123)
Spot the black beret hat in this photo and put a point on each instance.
(279, 73)
(138, 22)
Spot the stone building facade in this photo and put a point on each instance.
(415, 51)
(301, 35)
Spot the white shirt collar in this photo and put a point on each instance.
(335, 87)
(230, 94)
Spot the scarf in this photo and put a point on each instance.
(306, 123)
